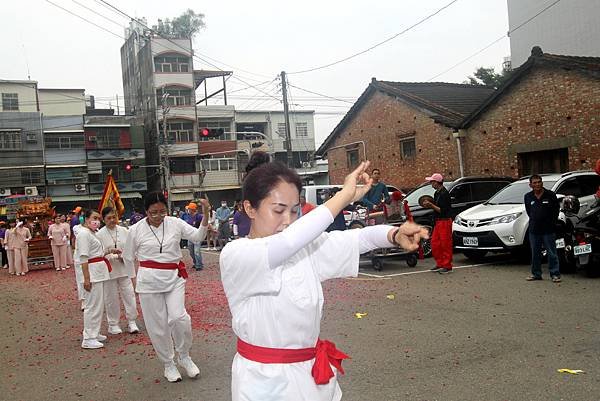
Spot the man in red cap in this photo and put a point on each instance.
(441, 238)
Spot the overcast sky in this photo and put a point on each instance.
(259, 39)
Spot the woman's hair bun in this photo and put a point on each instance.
(258, 158)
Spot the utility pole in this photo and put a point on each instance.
(286, 113)
(166, 163)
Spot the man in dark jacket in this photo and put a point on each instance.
(542, 208)
(441, 238)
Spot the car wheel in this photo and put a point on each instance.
(412, 260)
(475, 255)
(377, 264)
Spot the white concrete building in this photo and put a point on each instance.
(568, 28)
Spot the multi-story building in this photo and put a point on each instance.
(159, 84)
(569, 28)
(21, 142)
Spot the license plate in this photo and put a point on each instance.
(582, 249)
(560, 243)
(470, 241)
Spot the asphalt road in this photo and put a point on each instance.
(479, 333)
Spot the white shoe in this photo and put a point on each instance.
(58, 269)
(82, 305)
(63, 268)
(101, 337)
(172, 374)
(190, 367)
(133, 329)
(91, 344)
(114, 329)
(5, 267)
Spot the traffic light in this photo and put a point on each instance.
(128, 167)
(211, 132)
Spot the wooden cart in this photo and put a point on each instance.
(38, 213)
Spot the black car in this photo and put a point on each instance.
(464, 192)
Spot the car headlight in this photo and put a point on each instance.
(457, 220)
(507, 218)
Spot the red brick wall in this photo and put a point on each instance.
(381, 123)
(549, 108)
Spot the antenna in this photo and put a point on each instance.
(26, 62)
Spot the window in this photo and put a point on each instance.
(171, 63)
(224, 124)
(352, 158)
(177, 96)
(408, 148)
(108, 137)
(569, 187)
(75, 175)
(301, 130)
(281, 129)
(183, 165)
(179, 131)
(461, 194)
(220, 164)
(64, 141)
(10, 102)
(31, 177)
(483, 191)
(10, 140)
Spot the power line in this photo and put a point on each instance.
(507, 35)
(95, 12)
(85, 19)
(320, 94)
(377, 44)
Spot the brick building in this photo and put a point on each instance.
(405, 129)
(545, 118)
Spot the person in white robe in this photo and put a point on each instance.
(272, 281)
(95, 269)
(112, 235)
(154, 242)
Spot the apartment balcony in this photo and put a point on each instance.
(116, 154)
(221, 180)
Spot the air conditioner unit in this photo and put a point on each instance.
(92, 138)
(31, 138)
(5, 191)
(80, 188)
(306, 164)
(31, 191)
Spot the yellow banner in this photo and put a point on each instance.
(111, 197)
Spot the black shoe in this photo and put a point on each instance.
(444, 270)
(435, 269)
(199, 268)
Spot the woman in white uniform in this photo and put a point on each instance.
(59, 238)
(95, 269)
(272, 281)
(113, 235)
(154, 242)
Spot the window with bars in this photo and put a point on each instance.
(301, 129)
(108, 137)
(171, 63)
(408, 148)
(10, 102)
(180, 131)
(281, 129)
(10, 140)
(177, 96)
(75, 175)
(183, 165)
(64, 141)
(31, 177)
(221, 164)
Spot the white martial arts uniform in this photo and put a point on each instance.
(120, 277)
(273, 286)
(77, 265)
(162, 292)
(88, 247)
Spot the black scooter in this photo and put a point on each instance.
(584, 237)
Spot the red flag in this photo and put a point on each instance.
(110, 196)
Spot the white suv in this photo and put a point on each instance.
(501, 223)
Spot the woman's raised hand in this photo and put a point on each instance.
(351, 191)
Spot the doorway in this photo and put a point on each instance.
(545, 161)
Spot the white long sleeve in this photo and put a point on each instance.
(374, 237)
(285, 244)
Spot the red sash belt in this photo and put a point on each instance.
(325, 354)
(150, 264)
(101, 259)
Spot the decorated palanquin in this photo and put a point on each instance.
(39, 214)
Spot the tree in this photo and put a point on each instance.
(489, 77)
(184, 26)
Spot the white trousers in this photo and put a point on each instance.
(21, 265)
(59, 252)
(92, 313)
(112, 289)
(167, 322)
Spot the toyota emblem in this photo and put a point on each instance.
(471, 224)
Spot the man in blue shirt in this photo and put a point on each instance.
(193, 218)
(223, 213)
(377, 193)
